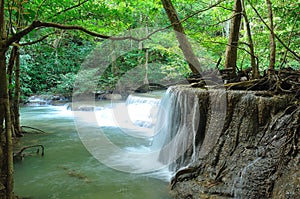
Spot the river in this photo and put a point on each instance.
(69, 171)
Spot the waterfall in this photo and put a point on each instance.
(153, 134)
(188, 124)
(142, 109)
(37, 101)
(177, 126)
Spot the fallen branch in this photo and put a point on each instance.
(20, 156)
(32, 128)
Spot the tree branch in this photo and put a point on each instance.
(199, 11)
(226, 44)
(36, 41)
(280, 41)
(289, 41)
(67, 9)
(39, 24)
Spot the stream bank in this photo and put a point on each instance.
(245, 146)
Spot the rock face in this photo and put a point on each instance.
(243, 144)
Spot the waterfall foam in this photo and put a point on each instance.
(142, 110)
(177, 126)
(188, 127)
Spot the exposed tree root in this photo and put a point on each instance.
(32, 128)
(20, 155)
(283, 81)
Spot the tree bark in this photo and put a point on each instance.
(6, 148)
(232, 46)
(9, 72)
(185, 45)
(254, 65)
(272, 38)
(6, 152)
(17, 91)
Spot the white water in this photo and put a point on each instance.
(142, 136)
(68, 171)
(167, 128)
(177, 126)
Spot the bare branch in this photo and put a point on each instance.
(219, 22)
(289, 41)
(39, 24)
(36, 41)
(222, 43)
(199, 11)
(67, 9)
(229, 9)
(281, 42)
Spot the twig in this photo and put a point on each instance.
(36, 129)
(19, 154)
(283, 44)
(36, 41)
(69, 8)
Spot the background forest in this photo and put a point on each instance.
(51, 64)
(43, 44)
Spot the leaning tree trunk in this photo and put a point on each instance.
(272, 38)
(185, 45)
(232, 46)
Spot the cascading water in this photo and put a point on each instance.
(142, 110)
(68, 171)
(176, 129)
(151, 142)
(188, 126)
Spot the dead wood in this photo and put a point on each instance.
(32, 128)
(20, 155)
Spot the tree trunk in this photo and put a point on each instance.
(6, 152)
(17, 91)
(272, 38)
(185, 46)
(10, 69)
(2, 131)
(232, 46)
(6, 148)
(254, 65)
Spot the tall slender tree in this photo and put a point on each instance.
(272, 38)
(254, 65)
(232, 46)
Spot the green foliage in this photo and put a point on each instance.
(49, 69)
(163, 66)
(51, 65)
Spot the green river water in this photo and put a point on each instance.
(69, 171)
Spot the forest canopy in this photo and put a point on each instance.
(51, 64)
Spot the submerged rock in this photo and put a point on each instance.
(113, 96)
(245, 145)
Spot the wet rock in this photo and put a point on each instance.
(113, 96)
(245, 148)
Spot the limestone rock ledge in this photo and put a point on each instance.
(247, 146)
